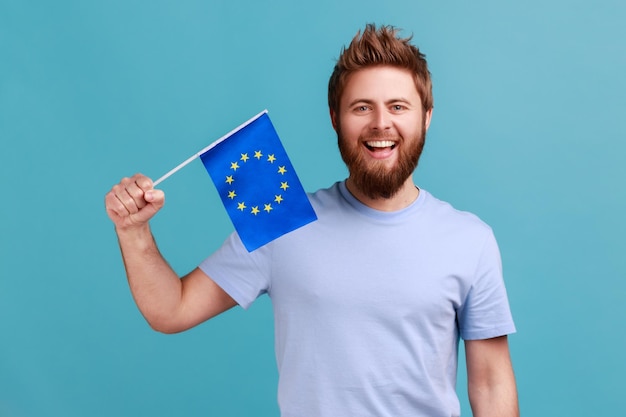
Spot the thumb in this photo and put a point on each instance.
(155, 200)
(155, 197)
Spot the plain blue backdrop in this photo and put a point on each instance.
(528, 133)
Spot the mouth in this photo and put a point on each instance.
(380, 145)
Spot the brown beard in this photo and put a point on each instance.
(378, 181)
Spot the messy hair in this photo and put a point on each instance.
(377, 47)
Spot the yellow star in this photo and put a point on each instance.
(234, 166)
(230, 179)
(271, 158)
(258, 154)
(244, 157)
(284, 185)
(282, 170)
(268, 207)
(241, 206)
(231, 194)
(278, 198)
(255, 210)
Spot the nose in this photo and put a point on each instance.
(381, 120)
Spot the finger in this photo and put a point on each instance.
(155, 197)
(137, 194)
(130, 202)
(114, 206)
(156, 200)
(143, 182)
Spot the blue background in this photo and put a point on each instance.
(528, 132)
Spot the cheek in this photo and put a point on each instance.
(409, 130)
(352, 128)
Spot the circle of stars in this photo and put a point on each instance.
(256, 208)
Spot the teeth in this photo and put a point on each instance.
(380, 143)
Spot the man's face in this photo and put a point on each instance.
(381, 128)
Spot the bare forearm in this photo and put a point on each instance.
(155, 287)
(494, 401)
(169, 304)
(491, 381)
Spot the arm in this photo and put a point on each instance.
(491, 382)
(168, 303)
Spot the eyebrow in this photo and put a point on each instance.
(368, 101)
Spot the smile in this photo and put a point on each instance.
(379, 144)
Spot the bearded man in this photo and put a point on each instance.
(370, 301)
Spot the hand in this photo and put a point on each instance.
(133, 202)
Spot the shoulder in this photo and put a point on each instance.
(444, 213)
(324, 194)
(327, 199)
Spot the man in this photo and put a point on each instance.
(370, 299)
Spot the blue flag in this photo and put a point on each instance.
(257, 183)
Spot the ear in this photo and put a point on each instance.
(427, 118)
(333, 119)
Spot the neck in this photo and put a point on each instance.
(403, 198)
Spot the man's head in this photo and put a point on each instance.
(378, 47)
(380, 99)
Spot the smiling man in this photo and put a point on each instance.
(381, 126)
(370, 301)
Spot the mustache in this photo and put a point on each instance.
(381, 136)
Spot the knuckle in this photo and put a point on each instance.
(109, 198)
(143, 182)
(127, 200)
(117, 208)
(135, 193)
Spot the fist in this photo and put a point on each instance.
(133, 202)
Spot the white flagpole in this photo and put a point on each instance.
(173, 171)
(191, 158)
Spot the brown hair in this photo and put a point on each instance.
(376, 47)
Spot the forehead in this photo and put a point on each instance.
(380, 83)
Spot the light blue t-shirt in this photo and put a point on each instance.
(369, 305)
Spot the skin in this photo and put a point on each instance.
(168, 303)
(378, 101)
(491, 382)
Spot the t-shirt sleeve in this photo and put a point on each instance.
(243, 275)
(485, 312)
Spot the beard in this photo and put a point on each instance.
(374, 178)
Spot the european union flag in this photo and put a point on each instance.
(257, 183)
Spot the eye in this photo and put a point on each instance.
(398, 107)
(360, 109)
